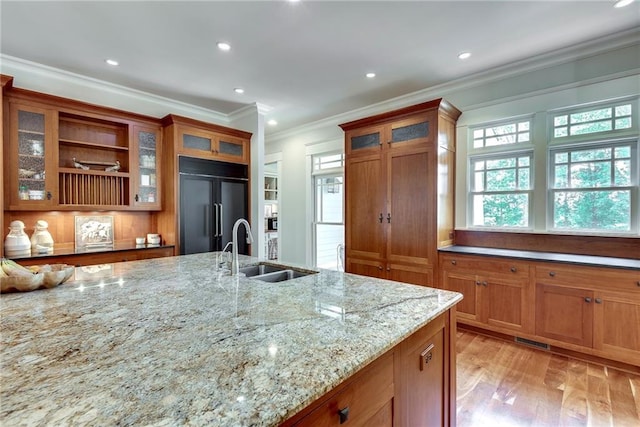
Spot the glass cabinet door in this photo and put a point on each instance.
(365, 140)
(232, 149)
(30, 144)
(148, 182)
(416, 130)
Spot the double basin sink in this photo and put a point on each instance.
(273, 273)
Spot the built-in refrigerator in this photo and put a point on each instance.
(213, 195)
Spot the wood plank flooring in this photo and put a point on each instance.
(503, 384)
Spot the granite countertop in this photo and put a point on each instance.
(586, 260)
(177, 341)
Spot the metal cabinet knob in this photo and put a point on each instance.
(388, 268)
(380, 267)
(454, 262)
(484, 284)
(598, 300)
(587, 299)
(552, 273)
(478, 283)
(513, 269)
(344, 415)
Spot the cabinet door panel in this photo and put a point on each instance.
(417, 130)
(365, 204)
(466, 284)
(365, 267)
(418, 275)
(614, 315)
(425, 383)
(564, 314)
(196, 215)
(505, 303)
(365, 140)
(410, 215)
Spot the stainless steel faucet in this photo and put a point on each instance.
(235, 268)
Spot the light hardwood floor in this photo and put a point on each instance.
(503, 384)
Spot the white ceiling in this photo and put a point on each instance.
(304, 60)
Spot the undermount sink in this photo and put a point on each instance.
(273, 273)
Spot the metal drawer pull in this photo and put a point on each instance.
(344, 415)
(513, 269)
(426, 356)
(587, 299)
(380, 218)
(598, 300)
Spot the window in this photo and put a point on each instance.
(500, 174)
(328, 179)
(593, 187)
(501, 190)
(502, 134)
(603, 118)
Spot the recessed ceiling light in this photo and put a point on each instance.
(238, 90)
(623, 3)
(272, 122)
(370, 75)
(464, 55)
(224, 46)
(111, 62)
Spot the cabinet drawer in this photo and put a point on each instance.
(365, 400)
(590, 277)
(483, 265)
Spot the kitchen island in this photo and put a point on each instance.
(178, 341)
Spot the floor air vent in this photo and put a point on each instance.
(532, 343)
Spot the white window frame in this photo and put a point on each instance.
(324, 173)
(516, 149)
(634, 187)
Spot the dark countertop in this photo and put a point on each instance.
(586, 260)
(66, 251)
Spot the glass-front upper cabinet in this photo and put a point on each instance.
(414, 130)
(31, 158)
(365, 140)
(146, 191)
(205, 144)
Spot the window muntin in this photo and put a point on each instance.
(595, 120)
(502, 134)
(501, 190)
(330, 161)
(592, 187)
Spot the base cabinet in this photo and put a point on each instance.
(411, 385)
(496, 293)
(586, 309)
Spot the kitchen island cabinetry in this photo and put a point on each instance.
(231, 350)
(399, 191)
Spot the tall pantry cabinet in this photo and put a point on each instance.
(399, 191)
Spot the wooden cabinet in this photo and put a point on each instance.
(30, 157)
(188, 138)
(594, 308)
(399, 191)
(67, 155)
(146, 190)
(208, 141)
(411, 385)
(367, 400)
(497, 293)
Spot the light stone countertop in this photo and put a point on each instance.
(176, 341)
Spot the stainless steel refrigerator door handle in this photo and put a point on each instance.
(207, 218)
(221, 219)
(215, 205)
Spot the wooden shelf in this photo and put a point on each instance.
(93, 172)
(92, 145)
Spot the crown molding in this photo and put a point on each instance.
(557, 57)
(13, 65)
